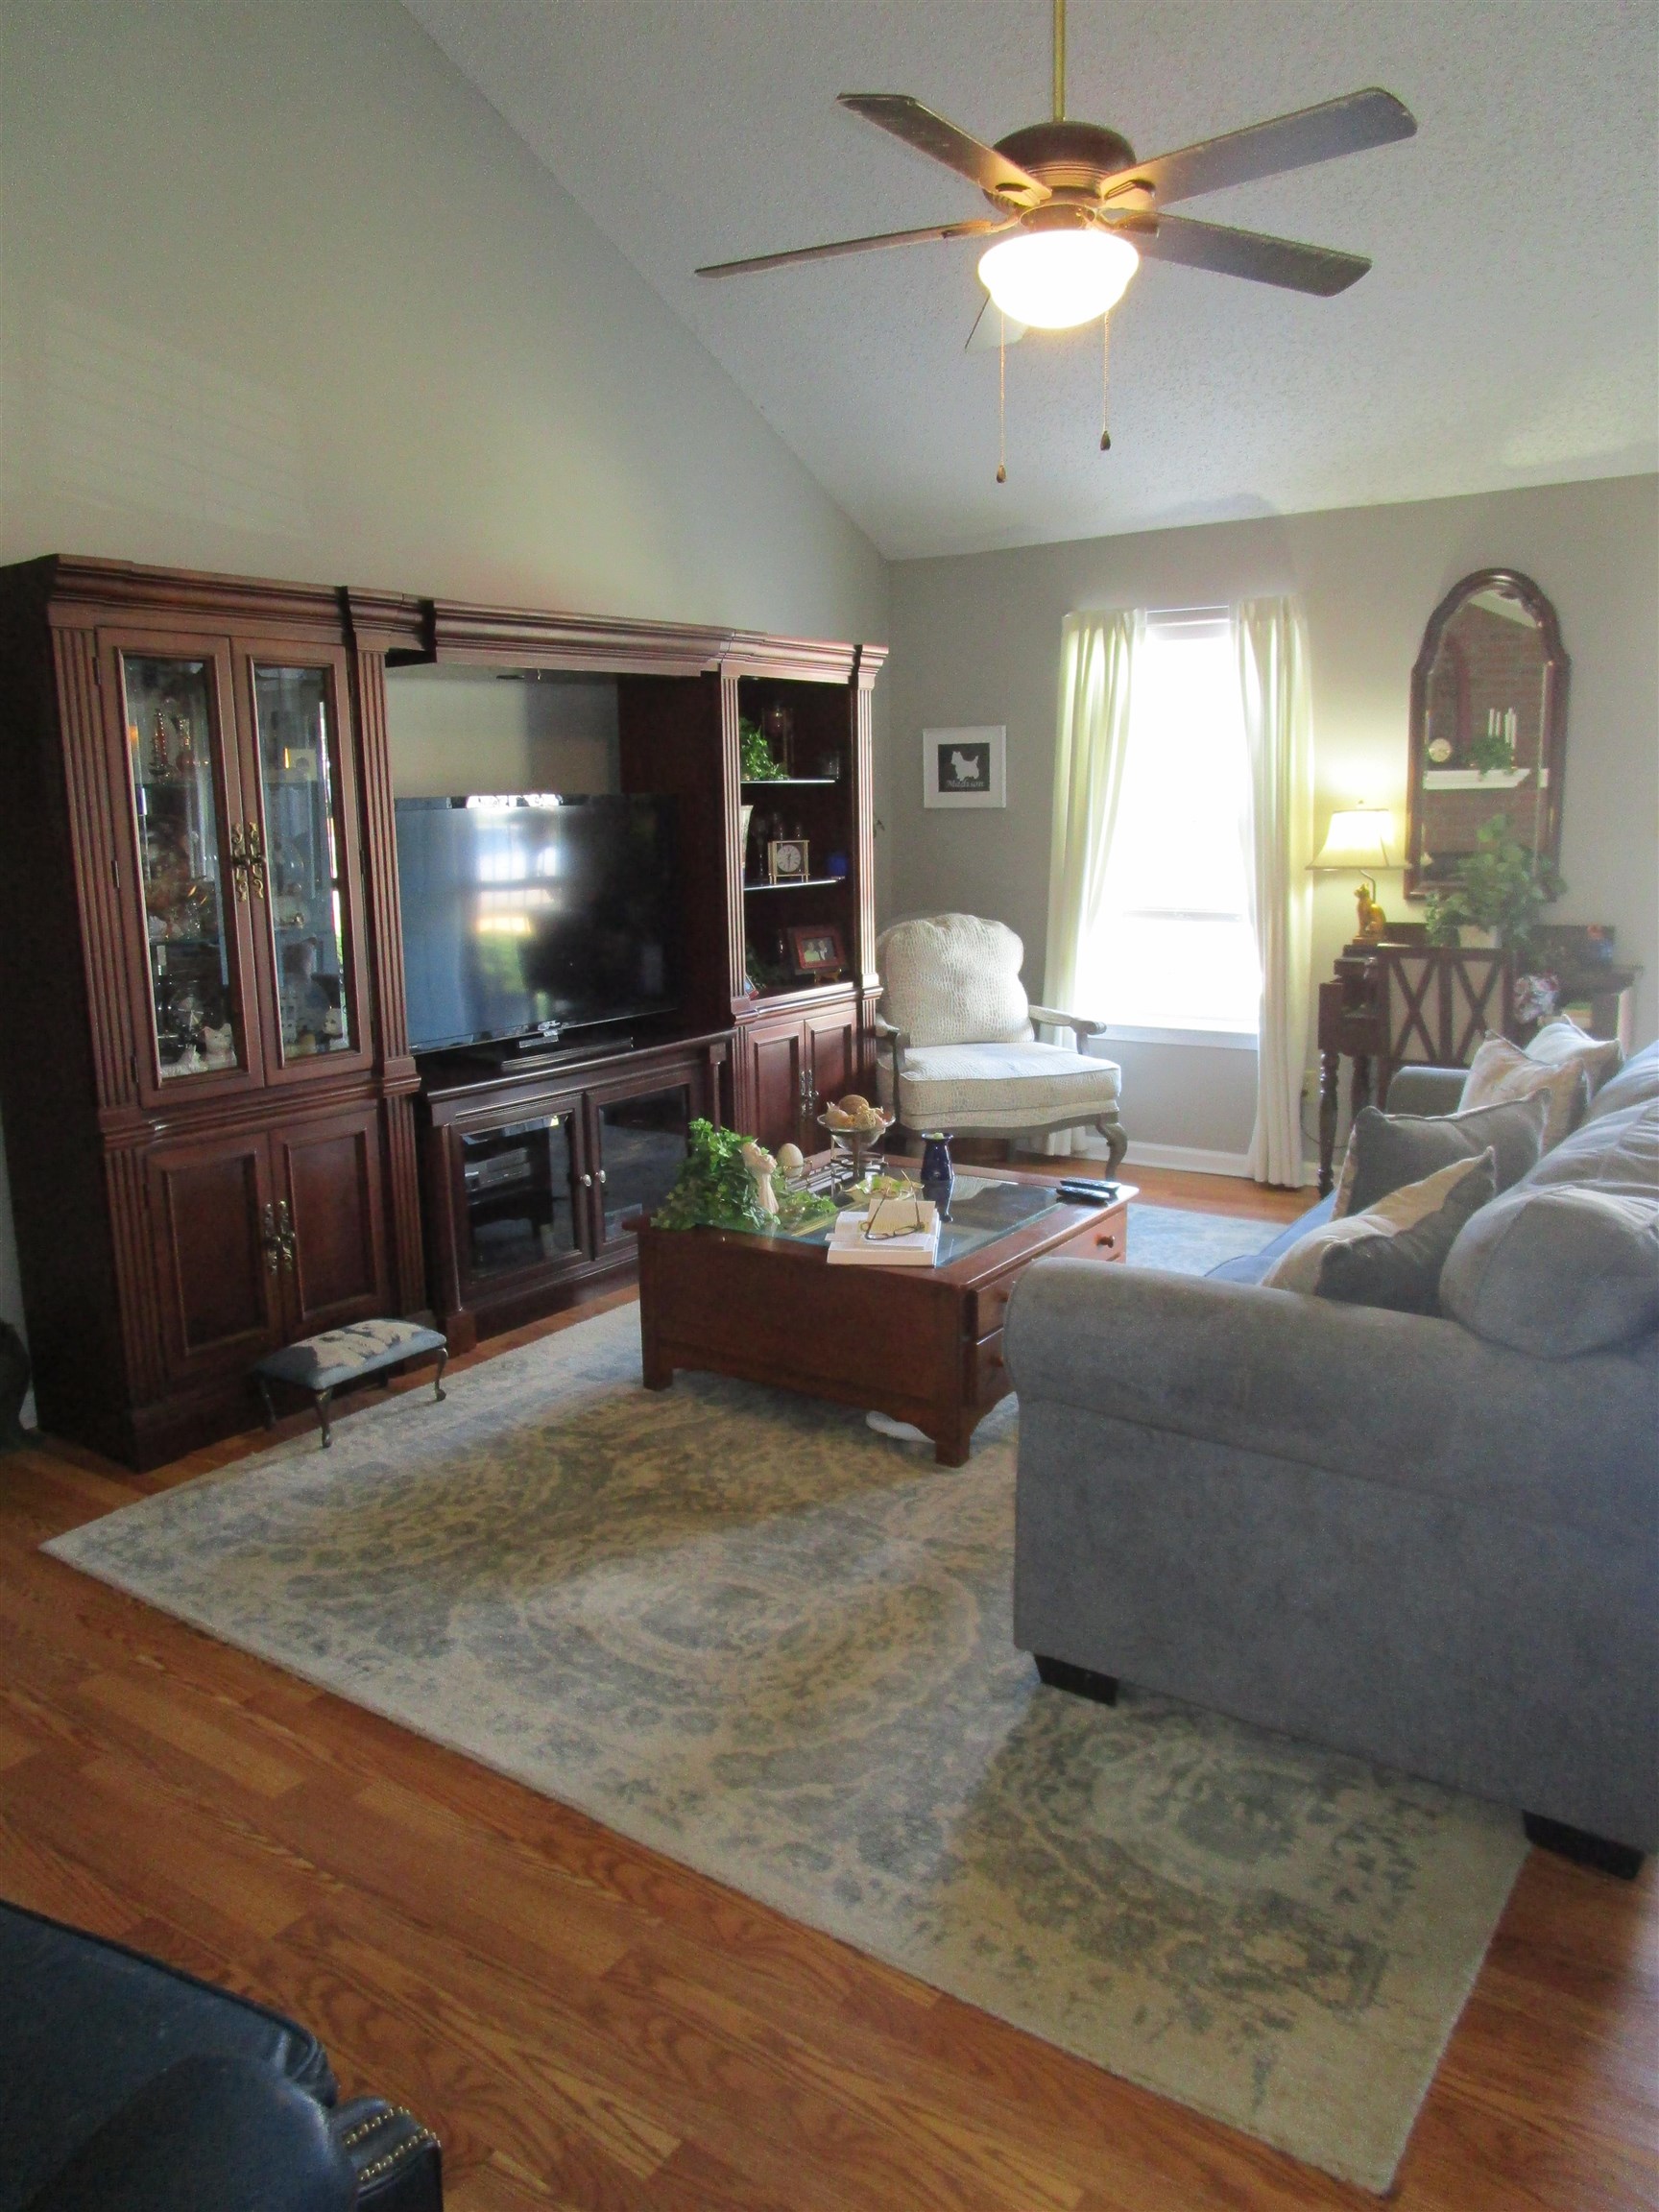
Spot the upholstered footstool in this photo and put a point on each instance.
(321, 1364)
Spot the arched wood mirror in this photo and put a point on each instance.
(1488, 727)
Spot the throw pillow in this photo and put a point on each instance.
(1557, 1271)
(1386, 1151)
(1501, 1071)
(1618, 1152)
(1392, 1256)
(1562, 1040)
(1636, 1084)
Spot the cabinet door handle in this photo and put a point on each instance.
(586, 1182)
(253, 847)
(286, 1243)
(239, 868)
(601, 1175)
(273, 1248)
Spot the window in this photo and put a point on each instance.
(1174, 950)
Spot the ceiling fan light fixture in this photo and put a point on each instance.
(1054, 279)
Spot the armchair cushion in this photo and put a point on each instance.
(994, 1087)
(953, 979)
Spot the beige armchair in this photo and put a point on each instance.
(956, 1047)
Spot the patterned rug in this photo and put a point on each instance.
(743, 1630)
(1184, 1243)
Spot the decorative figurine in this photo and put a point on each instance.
(762, 1167)
(1373, 921)
(184, 760)
(159, 764)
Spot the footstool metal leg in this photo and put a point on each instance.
(439, 1393)
(324, 1398)
(270, 1409)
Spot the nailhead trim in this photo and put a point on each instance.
(424, 2140)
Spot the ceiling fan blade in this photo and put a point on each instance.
(989, 330)
(1250, 254)
(984, 226)
(941, 141)
(1347, 126)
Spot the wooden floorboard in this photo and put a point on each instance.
(588, 2025)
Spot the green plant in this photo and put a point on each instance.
(1506, 887)
(754, 754)
(714, 1189)
(1490, 751)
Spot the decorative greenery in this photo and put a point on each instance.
(1506, 887)
(754, 750)
(805, 1209)
(1490, 751)
(714, 1189)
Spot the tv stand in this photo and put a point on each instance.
(532, 1169)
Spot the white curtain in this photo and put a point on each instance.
(1097, 653)
(1271, 636)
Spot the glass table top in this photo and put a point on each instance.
(982, 1209)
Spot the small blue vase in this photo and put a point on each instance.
(938, 1175)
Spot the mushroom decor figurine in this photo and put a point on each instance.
(763, 1168)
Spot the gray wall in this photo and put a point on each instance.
(281, 294)
(978, 641)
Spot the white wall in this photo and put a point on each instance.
(281, 294)
(978, 641)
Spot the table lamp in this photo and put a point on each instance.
(1359, 839)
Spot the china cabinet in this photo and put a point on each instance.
(196, 1114)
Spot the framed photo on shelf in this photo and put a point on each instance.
(815, 951)
(965, 767)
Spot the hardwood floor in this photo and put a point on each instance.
(590, 2026)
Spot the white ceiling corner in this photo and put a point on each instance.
(1507, 335)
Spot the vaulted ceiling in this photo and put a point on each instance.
(1505, 336)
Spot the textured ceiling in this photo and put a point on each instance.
(1505, 336)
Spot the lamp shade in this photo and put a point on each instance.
(1053, 279)
(1358, 838)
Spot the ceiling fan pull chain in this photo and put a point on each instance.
(1002, 397)
(1105, 383)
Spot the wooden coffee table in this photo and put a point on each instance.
(923, 1344)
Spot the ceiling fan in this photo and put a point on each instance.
(1075, 210)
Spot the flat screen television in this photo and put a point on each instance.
(534, 913)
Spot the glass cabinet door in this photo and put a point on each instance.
(520, 1186)
(642, 1145)
(169, 707)
(298, 859)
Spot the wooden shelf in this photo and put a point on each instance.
(789, 782)
(795, 883)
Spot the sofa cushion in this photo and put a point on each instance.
(1501, 1071)
(1003, 1086)
(953, 979)
(1392, 1254)
(1561, 1041)
(1386, 1151)
(1616, 1152)
(1636, 1084)
(1559, 1270)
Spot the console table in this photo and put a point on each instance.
(1353, 1020)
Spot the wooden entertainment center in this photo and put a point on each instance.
(218, 1137)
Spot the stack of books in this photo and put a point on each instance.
(895, 1233)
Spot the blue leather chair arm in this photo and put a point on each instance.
(211, 2134)
(395, 2156)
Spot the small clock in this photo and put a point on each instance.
(786, 859)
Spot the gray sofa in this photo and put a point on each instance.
(1372, 1528)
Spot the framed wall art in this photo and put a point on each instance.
(965, 767)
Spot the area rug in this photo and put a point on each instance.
(740, 1627)
(1185, 1244)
